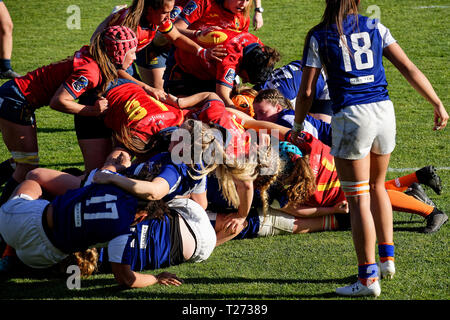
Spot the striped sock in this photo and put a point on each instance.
(329, 223)
(368, 273)
(386, 251)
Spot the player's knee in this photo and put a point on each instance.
(6, 27)
(34, 174)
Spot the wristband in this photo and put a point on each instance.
(201, 53)
(298, 127)
(197, 33)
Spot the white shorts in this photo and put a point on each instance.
(197, 219)
(275, 223)
(21, 228)
(360, 129)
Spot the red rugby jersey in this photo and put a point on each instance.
(214, 111)
(222, 72)
(129, 104)
(328, 191)
(202, 14)
(78, 74)
(146, 33)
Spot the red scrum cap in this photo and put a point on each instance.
(118, 41)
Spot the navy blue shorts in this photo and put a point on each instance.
(152, 57)
(14, 106)
(322, 106)
(90, 127)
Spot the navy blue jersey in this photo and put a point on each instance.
(176, 175)
(287, 79)
(353, 63)
(252, 228)
(147, 248)
(91, 215)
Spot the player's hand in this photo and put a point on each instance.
(440, 117)
(167, 279)
(102, 177)
(158, 94)
(216, 53)
(232, 222)
(257, 21)
(101, 105)
(170, 99)
(341, 207)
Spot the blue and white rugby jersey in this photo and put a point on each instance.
(146, 248)
(176, 175)
(90, 216)
(287, 79)
(356, 76)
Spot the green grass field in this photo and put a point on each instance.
(302, 267)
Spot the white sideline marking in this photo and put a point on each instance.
(432, 7)
(414, 169)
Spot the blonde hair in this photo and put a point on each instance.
(226, 169)
(86, 260)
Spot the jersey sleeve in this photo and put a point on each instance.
(193, 11)
(200, 187)
(171, 175)
(82, 79)
(226, 71)
(118, 249)
(312, 54)
(386, 36)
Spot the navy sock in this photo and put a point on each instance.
(8, 190)
(5, 64)
(6, 171)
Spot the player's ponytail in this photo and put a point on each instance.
(301, 181)
(107, 68)
(335, 13)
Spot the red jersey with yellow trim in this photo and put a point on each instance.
(214, 111)
(129, 104)
(328, 191)
(146, 33)
(203, 14)
(77, 74)
(223, 72)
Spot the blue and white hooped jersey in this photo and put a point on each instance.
(287, 79)
(353, 63)
(176, 175)
(146, 248)
(91, 215)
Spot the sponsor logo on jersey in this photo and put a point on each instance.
(144, 236)
(79, 84)
(175, 12)
(189, 8)
(230, 76)
(77, 215)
